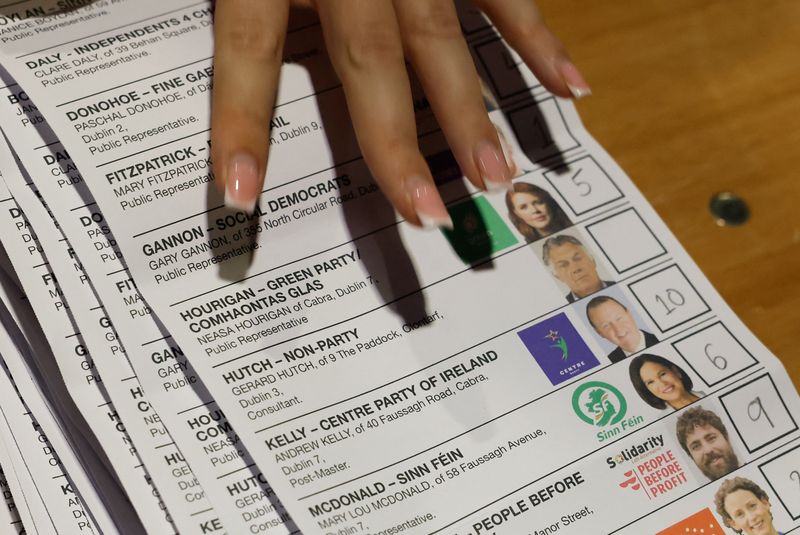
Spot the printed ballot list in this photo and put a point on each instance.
(554, 355)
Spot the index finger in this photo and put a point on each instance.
(249, 36)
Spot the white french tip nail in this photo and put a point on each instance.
(237, 204)
(579, 92)
(432, 223)
(495, 187)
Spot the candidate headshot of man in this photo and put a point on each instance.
(704, 437)
(571, 263)
(613, 321)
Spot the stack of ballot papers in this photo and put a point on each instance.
(555, 363)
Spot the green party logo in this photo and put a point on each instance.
(599, 404)
(478, 230)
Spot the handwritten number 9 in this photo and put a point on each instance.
(759, 411)
(795, 476)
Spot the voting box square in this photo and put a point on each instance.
(471, 18)
(783, 475)
(507, 72)
(714, 354)
(540, 130)
(758, 413)
(626, 240)
(668, 298)
(583, 185)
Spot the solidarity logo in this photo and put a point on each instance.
(630, 481)
(599, 404)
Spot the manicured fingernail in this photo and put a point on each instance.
(574, 80)
(243, 186)
(493, 167)
(428, 203)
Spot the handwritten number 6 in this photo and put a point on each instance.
(717, 360)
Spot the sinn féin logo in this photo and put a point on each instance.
(599, 404)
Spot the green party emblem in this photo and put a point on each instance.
(478, 231)
(599, 404)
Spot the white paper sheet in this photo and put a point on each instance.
(391, 380)
(207, 443)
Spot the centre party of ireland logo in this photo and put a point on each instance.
(599, 404)
(558, 348)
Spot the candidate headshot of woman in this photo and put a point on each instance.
(534, 212)
(661, 383)
(745, 507)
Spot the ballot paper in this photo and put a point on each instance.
(183, 493)
(11, 514)
(61, 492)
(553, 356)
(39, 277)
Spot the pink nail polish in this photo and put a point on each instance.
(243, 185)
(427, 202)
(574, 80)
(492, 166)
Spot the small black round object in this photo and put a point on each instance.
(729, 209)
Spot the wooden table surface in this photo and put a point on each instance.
(694, 97)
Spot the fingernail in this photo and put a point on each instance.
(574, 80)
(428, 203)
(242, 186)
(493, 167)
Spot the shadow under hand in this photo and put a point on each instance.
(387, 260)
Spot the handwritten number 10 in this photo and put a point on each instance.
(673, 299)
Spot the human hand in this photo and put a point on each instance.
(368, 42)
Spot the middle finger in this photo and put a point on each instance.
(364, 43)
(435, 46)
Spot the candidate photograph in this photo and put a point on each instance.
(614, 322)
(745, 507)
(573, 265)
(534, 212)
(662, 384)
(705, 438)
